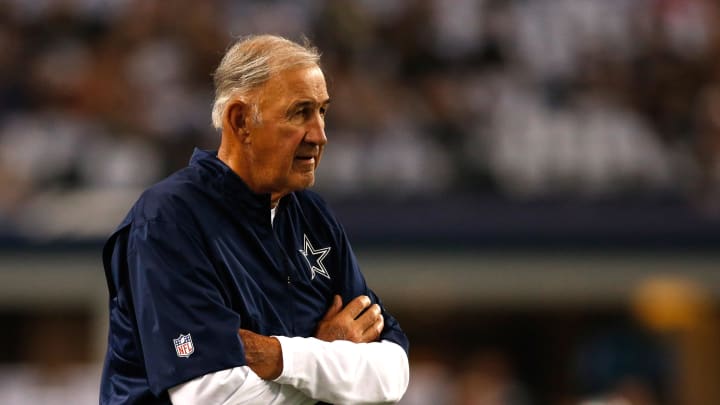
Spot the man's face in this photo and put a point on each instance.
(286, 147)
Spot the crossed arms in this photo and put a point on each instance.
(343, 363)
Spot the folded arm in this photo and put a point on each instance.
(344, 363)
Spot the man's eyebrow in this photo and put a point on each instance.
(308, 103)
(302, 103)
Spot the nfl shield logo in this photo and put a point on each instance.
(184, 345)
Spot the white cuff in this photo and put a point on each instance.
(344, 372)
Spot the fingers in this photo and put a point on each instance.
(334, 309)
(373, 333)
(371, 323)
(369, 317)
(357, 306)
(360, 321)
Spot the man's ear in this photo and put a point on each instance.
(236, 117)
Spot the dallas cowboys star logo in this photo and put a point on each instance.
(314, 258)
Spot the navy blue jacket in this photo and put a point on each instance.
(197, 258)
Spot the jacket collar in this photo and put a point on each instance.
(233, 189)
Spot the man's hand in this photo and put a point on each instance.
(263, 354)
(351, 323)
(358, 322)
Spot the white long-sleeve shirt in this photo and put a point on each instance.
(339, 372)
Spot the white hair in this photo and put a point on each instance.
(250, 63)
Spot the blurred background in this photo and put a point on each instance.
(533, 186)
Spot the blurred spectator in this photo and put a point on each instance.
(529, 99)
(624, 365)
(525, 99)
(488, 379)
(431, 381)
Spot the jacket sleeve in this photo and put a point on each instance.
(351, 283)
(185, 326)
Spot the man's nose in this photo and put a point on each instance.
(316, 132)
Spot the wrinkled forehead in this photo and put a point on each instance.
(296, 83)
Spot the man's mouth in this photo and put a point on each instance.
(305, 156)
(305, 162)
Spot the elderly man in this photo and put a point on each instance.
(229, 282)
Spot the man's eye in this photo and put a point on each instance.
(323, 111)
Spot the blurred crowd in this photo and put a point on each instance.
(519, 98)
(523, 99)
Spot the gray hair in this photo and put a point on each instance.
(251, 62)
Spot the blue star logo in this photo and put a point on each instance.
(314, 258)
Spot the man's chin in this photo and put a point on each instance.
(309, 183)
(305, 181)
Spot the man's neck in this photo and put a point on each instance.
(227, 153)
